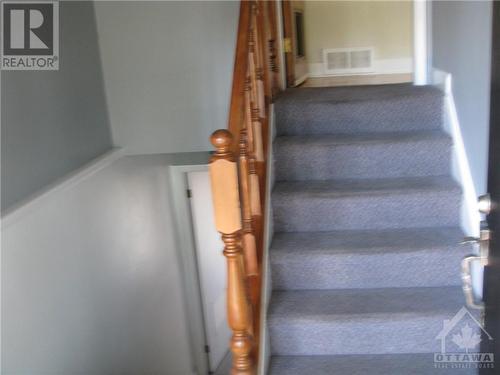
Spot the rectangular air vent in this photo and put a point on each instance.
(348, 60)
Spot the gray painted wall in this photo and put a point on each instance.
(91, 279)
(461, 46)
(54, 121)
(167, 70)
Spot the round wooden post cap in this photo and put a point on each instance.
(221, 139)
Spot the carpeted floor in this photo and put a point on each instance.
(365, 257)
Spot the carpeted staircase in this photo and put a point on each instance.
(365, 257)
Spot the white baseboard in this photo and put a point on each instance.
(439, 79)
(470, 216)
(381, 66)
(301, 79)
(393, 66)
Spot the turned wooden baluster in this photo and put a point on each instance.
(255, 189)
(258, 147)
(248, 116)
(249, 244)
(225, 195)
(254, 92)
(255, 150)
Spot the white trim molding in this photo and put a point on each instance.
(469, 213)
(72, 179)
(420, 41)
(187, 257)
(302, 79)
(470, 216)
(393, 66)
(279, 45)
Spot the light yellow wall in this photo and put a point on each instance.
(385, 25)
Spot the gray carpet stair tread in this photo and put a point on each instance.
(327, 110)
(365, 204)
(358, 93)
(364, 155)
(364, 137)
(360, 321)
(356, 304)
(367, 258)
(349, 187)
(365, 241)
(388, 364)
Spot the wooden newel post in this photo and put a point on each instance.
(225, 195)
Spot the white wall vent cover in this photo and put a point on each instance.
(348, 60)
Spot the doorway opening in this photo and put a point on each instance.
(211, 266)
(343, 43)
(203, 268)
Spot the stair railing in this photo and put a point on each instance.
(238, 175)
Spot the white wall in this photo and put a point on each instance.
(91, 279)
(167, 71)
(465, 53)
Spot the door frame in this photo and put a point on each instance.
(491, 279)
(186, 250)
(422, 43)
(288, 32)
(213, 286)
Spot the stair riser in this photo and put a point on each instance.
(366, 116)
(302, 213)
(297, 161)
(349, 336)
(309, 270)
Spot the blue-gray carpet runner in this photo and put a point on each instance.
(365, 257)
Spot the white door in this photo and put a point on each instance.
(211, 266)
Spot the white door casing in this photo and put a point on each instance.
(421, 42)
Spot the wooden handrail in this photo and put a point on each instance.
(236, 108)
(238, 176)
